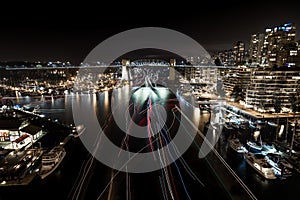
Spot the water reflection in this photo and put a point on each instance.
(94, 101)
(261, 187)
(106, 99)
(196, 116)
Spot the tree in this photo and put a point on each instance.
(294, 103)
(220, 88)
(250, 61)
(275, 66)
(237, 93)
(262, 104)
(277, 105)
(218, 62)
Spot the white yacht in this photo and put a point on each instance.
(259, 163)
(51, 160)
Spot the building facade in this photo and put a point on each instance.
(279, 46)
(236, 78)
(239, 52)
(267, 84)
(255, 48)
(234, 56)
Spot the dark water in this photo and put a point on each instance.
(65, 182)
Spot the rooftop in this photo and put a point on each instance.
(10, 124)
(31, 129)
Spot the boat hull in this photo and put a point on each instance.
(256, 164)
(47, 169)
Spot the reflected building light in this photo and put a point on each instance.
(256, 134)
(95, 101)
(196, 116)
(106, 98)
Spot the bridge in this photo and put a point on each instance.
(124, 69)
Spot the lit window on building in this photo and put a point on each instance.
(290, 64)
(293, 53)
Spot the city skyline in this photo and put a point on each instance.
(185, 99)
(69, 34)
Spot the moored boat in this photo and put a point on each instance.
(259, 163)
(20, 168)
(254, 146)
(269, 148)
(237, 146)
(51, 160)
(280, 166)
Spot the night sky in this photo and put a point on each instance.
(53, 32)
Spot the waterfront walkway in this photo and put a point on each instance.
(258, 115)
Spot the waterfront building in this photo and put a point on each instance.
(236, 78)
(16, 133)
(35, 131)
(10, 129)
(269, 83)
(208, 75)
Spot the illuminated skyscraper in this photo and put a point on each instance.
(255, 48)
(239, 52)
(234, 56)
(279, 45)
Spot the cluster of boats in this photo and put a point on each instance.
(263, 158)
(34, 162)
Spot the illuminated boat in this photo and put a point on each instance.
(254, 146)
(269, 148)
(280, 166)
(51, 160)
(78, 130)
(259, 163)
(237, 146)
(21, 167)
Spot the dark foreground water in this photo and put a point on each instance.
(81, 177)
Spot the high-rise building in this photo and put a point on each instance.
(239, 52)
(278, 43)
(234, 56)
(229, 57)
(236, 77)
(266, 84)
(255, 48)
